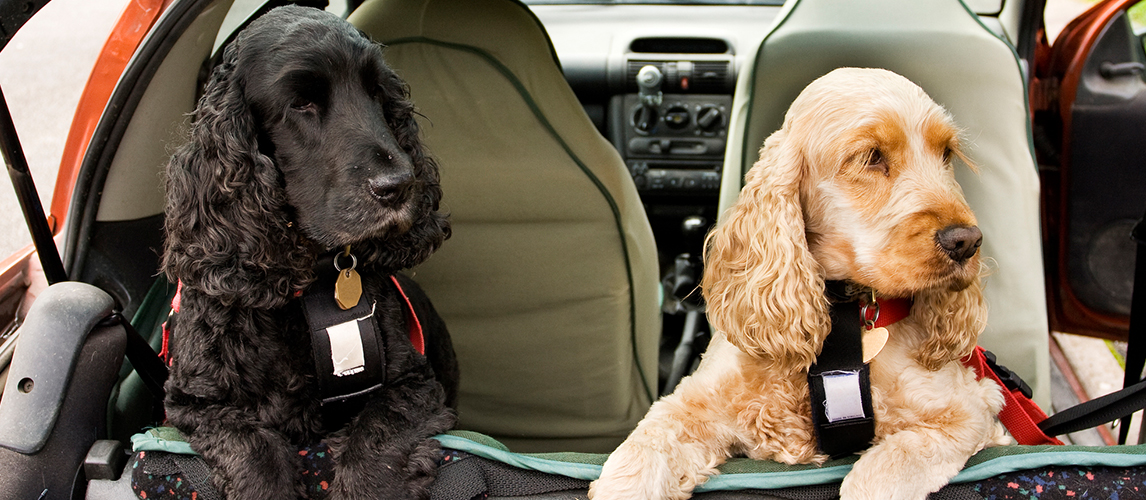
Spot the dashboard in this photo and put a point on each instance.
(672, 135)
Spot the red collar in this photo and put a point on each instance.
(885, 311)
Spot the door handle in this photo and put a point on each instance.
(1110, 70)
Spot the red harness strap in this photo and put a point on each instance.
(165, 352)
(1020, 415)
(412, 322)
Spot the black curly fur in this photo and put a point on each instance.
(304, 142)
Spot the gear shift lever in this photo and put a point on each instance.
(649, 82)
(649, 94)
(683, 295)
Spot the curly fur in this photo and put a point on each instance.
(303, 142)
(857, 185)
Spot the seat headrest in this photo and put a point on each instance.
(506, 29)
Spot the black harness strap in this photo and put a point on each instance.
(348, 349)
(840, 387)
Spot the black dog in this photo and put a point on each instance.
(305, 156)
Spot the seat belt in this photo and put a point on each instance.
(1135, 349)
(1121, 404)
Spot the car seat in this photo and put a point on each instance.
(944, 48)
(549, 284)
(56, 390)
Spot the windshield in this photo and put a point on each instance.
(659, 2)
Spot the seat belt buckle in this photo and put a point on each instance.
(1010, 379)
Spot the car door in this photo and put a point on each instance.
(1088, 96)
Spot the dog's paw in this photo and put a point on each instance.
(905, 466)
(877, 488)
(638, 471)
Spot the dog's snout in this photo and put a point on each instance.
(391, 188)
(960, 242)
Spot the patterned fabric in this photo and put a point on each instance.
(317, 469)
(169, 476)
(154, 474)
(1113, 483)
(466, 476)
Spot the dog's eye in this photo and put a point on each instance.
(876, 157)
(876, 162)
(302, 104)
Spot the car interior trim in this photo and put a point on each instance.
(114, 122)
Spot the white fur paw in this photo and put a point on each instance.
(634, 471)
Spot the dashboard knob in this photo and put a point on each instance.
(645, 118)
(709, 119)
(677, 117)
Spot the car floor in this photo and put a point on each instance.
(1084, 368)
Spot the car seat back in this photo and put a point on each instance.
(549, 283)
(944, 48)
(55, 397)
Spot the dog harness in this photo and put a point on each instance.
(348, 349)
(840, 382)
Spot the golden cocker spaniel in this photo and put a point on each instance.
(857, 186)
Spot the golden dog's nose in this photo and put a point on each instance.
(959, 242)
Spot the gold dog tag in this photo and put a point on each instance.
(873, 342)
(348, 289)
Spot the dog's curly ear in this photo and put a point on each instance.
(226, 233)
(429, 232)
(955, 320)
(763, 288)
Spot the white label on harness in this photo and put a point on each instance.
(842, 399)
(346, 348)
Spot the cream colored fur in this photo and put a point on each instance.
(854, 186)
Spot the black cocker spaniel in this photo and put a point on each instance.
(305, 171)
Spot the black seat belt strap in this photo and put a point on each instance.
(1097, 411)
(840, 387)
(1135, 349)
(1121, 404)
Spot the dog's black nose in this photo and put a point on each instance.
(391, 188)
(960, 242)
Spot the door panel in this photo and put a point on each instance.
(1101, 177)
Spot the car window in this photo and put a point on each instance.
(42, 71)
(677, 2)
(981, 7)
(1138, 18)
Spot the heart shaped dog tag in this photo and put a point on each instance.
(348, 289)
(873, 342)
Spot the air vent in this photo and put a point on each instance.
(679, 45)
(694, 77)
(709, 76)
